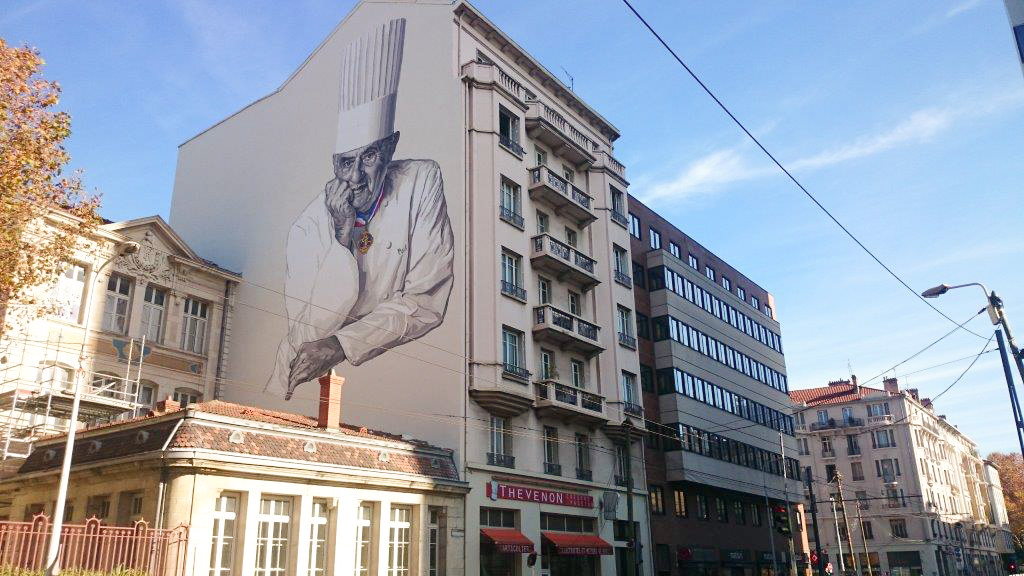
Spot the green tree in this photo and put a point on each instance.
(44, 212)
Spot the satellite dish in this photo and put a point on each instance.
(609, 504)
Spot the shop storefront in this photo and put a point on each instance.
(737, 562)
(700, 562)
(500, 549)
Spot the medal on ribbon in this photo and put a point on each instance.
(362, 221)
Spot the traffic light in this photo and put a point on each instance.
(780, 517)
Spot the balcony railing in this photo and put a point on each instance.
(583, 261)
(627, 340)
(509, 83)
(882, 419)
(514, 371)
(572, 331)
(619, 217)
(584, 474)
(511, 145)
(591, 402)
(503, 460)
(549, 126)
(853, 450)
(514, 290)
(832, 423)
(511, 216)
(632, 409)
(568, 402)
(623, 278)
(562, 194)
(828, 453)
(552, 468)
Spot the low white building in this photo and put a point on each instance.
(916, 494)
(261, 491)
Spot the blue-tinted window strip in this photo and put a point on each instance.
(693, 439)
(674, 380)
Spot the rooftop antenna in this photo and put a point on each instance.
(569, 76)
(849, 366)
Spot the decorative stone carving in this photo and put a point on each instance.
(149, 262)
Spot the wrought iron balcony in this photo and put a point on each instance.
(513, 146)
(513, 371)
(568, 403)
(623, 278)
(584, 474)
(552, 468)
(512, 217)
(853, 450)
(547, 125)
(619, 217)
(503, 460)
(828, 453)
(565, 330)
(569, 200)
(832, 424)
(883, 419)
(563, 261)
(627, 340)
(514, 290)
(632, 409)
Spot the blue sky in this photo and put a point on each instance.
(903, 118)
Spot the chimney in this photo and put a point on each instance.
(912, 392)
(166, 405)
(891, 385)
(853, 381)
(330, 401)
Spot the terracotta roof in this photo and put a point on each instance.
(836, 393)
(129, 438)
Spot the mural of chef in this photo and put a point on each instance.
(370, 259)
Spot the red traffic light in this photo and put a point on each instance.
(684, 553)
(779, 508)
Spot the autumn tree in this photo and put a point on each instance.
(1011, 475)
(44, 211)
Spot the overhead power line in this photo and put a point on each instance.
(786, 171)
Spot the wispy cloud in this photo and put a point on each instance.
(962, 7)
(921, 126)
(704, 176)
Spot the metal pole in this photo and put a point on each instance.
(864, 541)
(789, 520)
(839, 540)
(628, 469)
(814, 519)
(1018, 420)
(771, 528)
(53, 548)
(846, 522)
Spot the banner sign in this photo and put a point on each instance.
(499, 491)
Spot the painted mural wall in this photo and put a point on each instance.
(339, 198)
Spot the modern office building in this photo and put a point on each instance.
(426, 208)
(715, 395)
(916, 494)
(159, 325)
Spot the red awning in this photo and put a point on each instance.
(508, 540)
(569, 544)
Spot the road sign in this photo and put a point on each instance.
(814, 558)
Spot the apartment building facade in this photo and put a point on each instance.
(159, 326)
(715, 396)
(914, 488)
(475, 303)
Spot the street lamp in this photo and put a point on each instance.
(53, 549)
(998, 317)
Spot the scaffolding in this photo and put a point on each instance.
(37, 392)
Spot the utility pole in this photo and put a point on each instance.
(771, 527)
(789, 516)
(814, 520)
(864, 540)
(1018, 418)
(846, 522)
(631, 558)
(839, 539)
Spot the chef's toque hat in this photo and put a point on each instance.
(370, 66)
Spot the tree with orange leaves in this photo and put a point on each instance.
(44, 213)
(1011, 476)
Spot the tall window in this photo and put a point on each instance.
(702, 507)
(222, 549)
(673, 249)
(575, 304)
(629, 395)
(753, 302)
(755, 514)
(508, 130)
(571, 237)
(655, 239)
(618, 202)
(510, 203)
(726, 283)
(511, 270)
(624, 321)
(399, 541)
(620, 260)
(547, 364)
(153, 313)
(67, 293)
(540, 156)
(512, 348)
(576, 372)
(435, 541)
(318, 538)
(272, 536)
(741, 293)
(501, 435)
(544, 290)
(656, 498)
(364, 539)
(568, 173)
(193, 331)
(898, 526)
(115, 309)
(710, 273)
(634, 226)
(721, 510)
(582, 452)
(679, 503)
(542, 222)
(550, 446)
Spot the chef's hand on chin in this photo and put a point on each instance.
(338, 197)
(314, 359)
